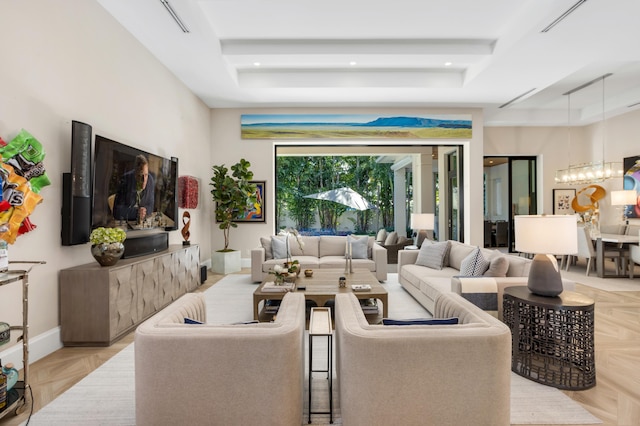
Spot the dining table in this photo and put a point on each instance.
(619, 239)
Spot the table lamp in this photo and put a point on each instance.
(546, 236)
(624, 198)
(421, 223)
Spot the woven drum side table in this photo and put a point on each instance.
(552, 337)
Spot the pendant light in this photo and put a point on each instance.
(587, 173)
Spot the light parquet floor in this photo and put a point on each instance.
(615, 399)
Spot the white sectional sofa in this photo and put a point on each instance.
(317, 252)
(415, 375)
(425, 284)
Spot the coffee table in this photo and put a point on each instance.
(323, 286)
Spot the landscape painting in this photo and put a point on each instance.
(354, 126)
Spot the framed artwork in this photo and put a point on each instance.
(258, 213)
(562, 201)
(631, 180)
(351, 126)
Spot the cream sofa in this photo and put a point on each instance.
(423, 374)
(206, 374)
(326, 251)
(426, 284)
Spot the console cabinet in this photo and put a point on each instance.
(100, 304)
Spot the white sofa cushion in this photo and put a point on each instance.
(458, 252)
(382, 236)
(518, 266)
(332, 245)
(433, 255)
(392, 238)
(474, 264)
(498, 267)
(265, 242)
(279, 248)
(359, 246)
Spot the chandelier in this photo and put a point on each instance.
(578, 174)
(586, 173)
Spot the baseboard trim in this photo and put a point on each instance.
(206, 263)
(39, 347)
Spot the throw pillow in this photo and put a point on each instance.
(474, 264)
(498, 267)
(265, 242)
(391, 239)
(191, 321)
(433, 255)
(382, 235)
(358, 246)
(279, 248)
(421, 321)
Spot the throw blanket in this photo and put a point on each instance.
(482, 292)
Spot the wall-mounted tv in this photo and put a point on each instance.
(133, 189)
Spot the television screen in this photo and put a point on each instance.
(133, 189)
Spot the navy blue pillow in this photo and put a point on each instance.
(421, 321)
(191, 321)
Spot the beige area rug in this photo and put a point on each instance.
(106, 396)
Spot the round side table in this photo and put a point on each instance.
(552, 337)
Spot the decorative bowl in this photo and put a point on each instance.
(308, 273)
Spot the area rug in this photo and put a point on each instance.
(106, 396)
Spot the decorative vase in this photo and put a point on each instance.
(107, 254)
(12, 375)
(278, 279)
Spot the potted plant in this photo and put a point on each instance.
(106, 245)
(234, 196)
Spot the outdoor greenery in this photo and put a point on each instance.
(233, 195)
(300, 176)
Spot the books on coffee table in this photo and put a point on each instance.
(281, 288)
(271, 306)
(369, 306)
(360, 287)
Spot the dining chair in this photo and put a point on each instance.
(502, 229)
(587, 251)
(625, 250)
(634, 253)
(488, 233)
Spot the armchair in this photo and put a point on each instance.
(245, 374)
(392, 249)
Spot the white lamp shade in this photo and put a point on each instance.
(546, 234)
(624, 198)
(422, 221)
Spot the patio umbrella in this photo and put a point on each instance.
(345, 196)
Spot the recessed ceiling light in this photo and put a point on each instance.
(257, 64)
(353, 63)
(448, 64)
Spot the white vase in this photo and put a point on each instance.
(226, 262)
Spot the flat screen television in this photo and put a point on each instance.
(133, 189)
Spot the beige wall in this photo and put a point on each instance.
(69, 60)
(229, 148)
(556, 148)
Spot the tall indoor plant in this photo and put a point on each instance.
(234, 196)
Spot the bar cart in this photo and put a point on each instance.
(16, 398)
